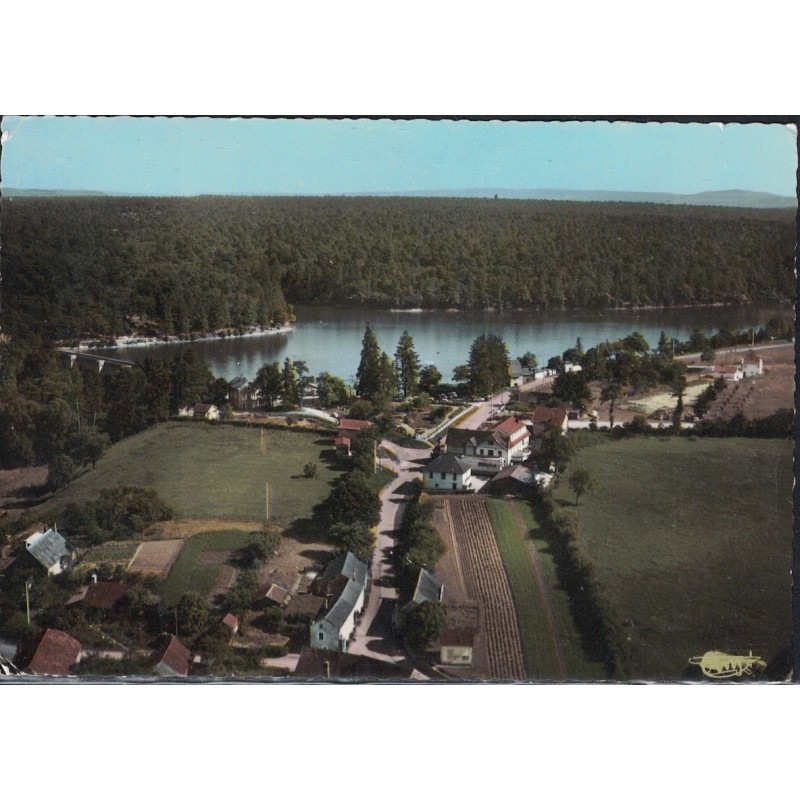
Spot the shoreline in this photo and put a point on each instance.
(129, 341)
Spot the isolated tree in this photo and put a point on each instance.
(192, 614)
(61, 472)
(88, 446)
(678, 386)
(489, 367)
(310, 469)
(610, 393)
(580, 482)
(423, 623)
(529, 360)
(368, 375)
(429, 379)
(664, 344)
(269, 382)
(356, 537)
(406, 363)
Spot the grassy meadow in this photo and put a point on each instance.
(214, 471)
(691, 541)
(516, 548)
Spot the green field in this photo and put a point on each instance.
(189, 575)
(691, 541)
(214, 471)
(537, 641)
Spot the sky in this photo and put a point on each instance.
(190, 156)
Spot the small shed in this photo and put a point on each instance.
(456, 646)
(231, 623)
(205, 411)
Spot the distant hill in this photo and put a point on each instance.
(12, 192)
(730, 197)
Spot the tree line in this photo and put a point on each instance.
(183, 265)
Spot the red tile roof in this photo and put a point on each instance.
(509, 426)
(175, 656)
(105, 594)
(56, 653)
(727, 369)
(347, 424)
(231, 621)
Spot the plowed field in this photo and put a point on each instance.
(486, 583)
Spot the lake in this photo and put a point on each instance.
(329, 339)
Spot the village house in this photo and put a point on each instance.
(347, 432)
(731, 372)
(243, 394)
(488, 451)
(173, 660)
(56, 652)
(544, 417)
(448, 473)
(205, 411)
(520, 374)
(344, 584)
(456, 646)
(50, 549)
(101, 595)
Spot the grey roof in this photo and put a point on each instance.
(239, 383)
(348, 565)
(517, 369)
(48, 548)
(516, 472)
(344, 605)
(429, 587)
(448, 463)
(355, 570)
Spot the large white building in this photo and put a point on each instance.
(448, 473)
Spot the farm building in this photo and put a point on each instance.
(429, 588)
(50, 549)
(448, 473)
(173, 660)
(347, 432)
(344, 584)
(205, 411)
(455, 646)
(303, 607)
(273, 595)
(514, 479)
(544, 417)
(731, 372)
(752, 367)
(55, 653)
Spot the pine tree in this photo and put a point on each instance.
(406, 362)
(368, 376)
(291, 388)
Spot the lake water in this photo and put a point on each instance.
(329, 339)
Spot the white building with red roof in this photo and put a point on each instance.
(347, 432)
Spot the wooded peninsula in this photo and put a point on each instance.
(108, 266)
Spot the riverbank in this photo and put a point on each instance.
(124, 342)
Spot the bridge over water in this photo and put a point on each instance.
(101, 361)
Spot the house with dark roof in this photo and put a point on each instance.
(105, 595)
(514, 479)
(273, 595)
(303, 607)
(347, 432)
(55, 653)
(448, 473)
(520, 374)
(50, 549)
(173, 660)
(489, 450)
(243, 394)
(344, 585)
(545, 417)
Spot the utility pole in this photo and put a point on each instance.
(28, 584)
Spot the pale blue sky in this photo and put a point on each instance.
(174, 156)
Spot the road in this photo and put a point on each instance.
(370, 634)
(740, 349)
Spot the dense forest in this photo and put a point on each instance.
(105, 266)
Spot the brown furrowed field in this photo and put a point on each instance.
(485, 583)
